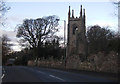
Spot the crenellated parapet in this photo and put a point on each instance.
(82, 14)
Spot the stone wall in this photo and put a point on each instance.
(99, 62)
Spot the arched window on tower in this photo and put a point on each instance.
(74, 29)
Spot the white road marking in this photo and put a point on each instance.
(2, 76)
(57, 77)
(3, 73)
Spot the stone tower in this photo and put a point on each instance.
(77, 43)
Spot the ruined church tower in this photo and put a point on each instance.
(76, 42)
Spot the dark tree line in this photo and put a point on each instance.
(47, 50)
(102, 39)
(52, 48)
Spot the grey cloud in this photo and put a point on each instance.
(12, 36)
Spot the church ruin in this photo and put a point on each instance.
(76, 42)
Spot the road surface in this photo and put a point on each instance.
(35, 74)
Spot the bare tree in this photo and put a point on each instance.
(5, 47)
(3, 10)
(99, 38)
(36, 31)
(117, 13)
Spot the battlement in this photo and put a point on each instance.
(82, 14)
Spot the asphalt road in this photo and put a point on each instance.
(35, 74)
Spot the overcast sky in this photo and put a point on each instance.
(101, 13)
